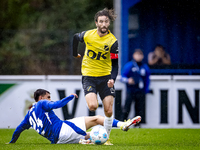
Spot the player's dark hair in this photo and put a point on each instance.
(110, 13)
(40, 92)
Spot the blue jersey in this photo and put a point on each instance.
(42, 119)
(140, 74)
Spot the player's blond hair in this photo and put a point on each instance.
(110, 13)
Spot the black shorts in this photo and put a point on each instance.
(97, 85)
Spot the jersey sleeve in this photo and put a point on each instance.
(114, 48)
(49, 105)
(114, 59)
(115, 68)
(78, 37)
(113, 56)
(23, 126)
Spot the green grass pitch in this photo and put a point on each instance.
(134, 139)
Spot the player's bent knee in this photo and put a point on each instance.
(108, 111)
(92, 107)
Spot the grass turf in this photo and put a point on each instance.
(134, 139)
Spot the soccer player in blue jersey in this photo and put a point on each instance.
(43, 120)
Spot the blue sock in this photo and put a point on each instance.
(115, 121)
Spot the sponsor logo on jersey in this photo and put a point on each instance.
(92, 54)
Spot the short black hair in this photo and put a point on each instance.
(40, 92)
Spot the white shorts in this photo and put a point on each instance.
(68, 135)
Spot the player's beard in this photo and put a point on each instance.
(101, 30)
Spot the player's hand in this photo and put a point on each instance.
(75, 95)
(78, 56)
(110, 83)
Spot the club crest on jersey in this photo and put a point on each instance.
(106, 48)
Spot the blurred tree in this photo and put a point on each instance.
(36, 35)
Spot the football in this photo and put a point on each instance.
(98, 135)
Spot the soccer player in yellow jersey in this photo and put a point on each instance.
(99, 64)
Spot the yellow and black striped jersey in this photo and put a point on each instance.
(97, 61)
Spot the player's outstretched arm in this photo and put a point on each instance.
(59, 104)
(23, 126)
